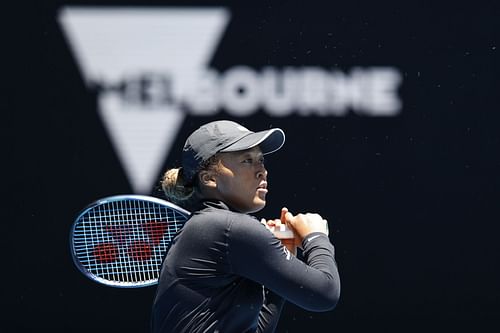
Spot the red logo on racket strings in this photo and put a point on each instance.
(139, 250)
(106, 252)
(155, 231)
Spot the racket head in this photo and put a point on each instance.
(121, 240)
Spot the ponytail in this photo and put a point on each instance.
(175, 186)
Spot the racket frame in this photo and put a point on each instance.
(108, 200)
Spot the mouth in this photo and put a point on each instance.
(262, 187)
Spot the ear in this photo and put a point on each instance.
(207, 178)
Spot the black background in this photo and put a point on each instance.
(412, 200)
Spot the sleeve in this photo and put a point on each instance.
(256, 254)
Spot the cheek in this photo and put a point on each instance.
(227, 184)
(236, 188)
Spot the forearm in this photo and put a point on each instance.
(319, 253)
(313, 285)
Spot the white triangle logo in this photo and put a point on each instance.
(117, 49)
(140, 140)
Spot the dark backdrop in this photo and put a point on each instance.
(412, 200)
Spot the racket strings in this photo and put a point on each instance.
(124, 241)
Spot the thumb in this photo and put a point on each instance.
(284, 210)
(288, 217)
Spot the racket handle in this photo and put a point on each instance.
(287, 237)
(283, 232)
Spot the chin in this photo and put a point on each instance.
(258, 205)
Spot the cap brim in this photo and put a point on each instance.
(269, 141)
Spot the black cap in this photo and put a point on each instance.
(225, 136)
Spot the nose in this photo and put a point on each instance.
(261, 171)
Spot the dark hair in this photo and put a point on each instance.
(185, 192)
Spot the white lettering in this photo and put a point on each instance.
(278, 91)
(338, 93)
(312, 92)
(240, 91)
(204, 98)
(382, 96)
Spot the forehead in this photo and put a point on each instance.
(255, 151)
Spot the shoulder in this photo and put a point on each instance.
(216, 219)
(220, 215)
(246, 231)
(235, 223)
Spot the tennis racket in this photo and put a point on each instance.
(121, 241)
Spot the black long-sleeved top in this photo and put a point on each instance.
(225, 272)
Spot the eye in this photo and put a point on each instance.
(251, 160)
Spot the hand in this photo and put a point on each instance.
(304, 224)
(271, 225)
(286, 235)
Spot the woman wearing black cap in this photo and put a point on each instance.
(225, 272)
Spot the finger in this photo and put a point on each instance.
(288, 217)
(284, 210)
(273, 222)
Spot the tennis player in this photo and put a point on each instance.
(225, 271)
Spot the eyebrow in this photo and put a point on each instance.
(251, 154)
